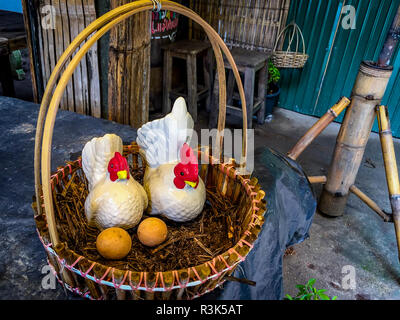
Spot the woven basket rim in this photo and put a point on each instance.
(251, 231)
(290, 53)
(289, 59)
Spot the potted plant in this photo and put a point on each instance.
(273, 90)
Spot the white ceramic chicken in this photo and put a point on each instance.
(115, 199)
(171, 179)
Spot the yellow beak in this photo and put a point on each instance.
(122, 175)
(190, 183)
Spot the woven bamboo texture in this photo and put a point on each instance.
(253, 24)
(92, 279)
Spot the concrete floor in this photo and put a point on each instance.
(359, 238)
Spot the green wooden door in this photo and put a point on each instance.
(336, 53)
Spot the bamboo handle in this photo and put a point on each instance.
(296, 29)
(105, 23)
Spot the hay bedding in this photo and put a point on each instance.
(188, 244)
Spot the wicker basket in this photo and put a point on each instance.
(287, 58)
(94, 280)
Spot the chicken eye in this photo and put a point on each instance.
(112, 166)
(182, 174)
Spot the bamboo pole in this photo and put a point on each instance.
(392, 174)
(368, 91)
(317, 128)
(370, 203)
(389, 156)
(317, 179)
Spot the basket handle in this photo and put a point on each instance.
(297, 31)
(106, 22)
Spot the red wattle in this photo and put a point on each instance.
(113, 176)
(179, 183)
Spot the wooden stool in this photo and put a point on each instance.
(188, 50)
(249, 63)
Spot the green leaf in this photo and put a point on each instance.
(274, 73)
(314, 290)
(334, 298)
(289, 297)
(324, 297)
(311, 282)
(308, 296)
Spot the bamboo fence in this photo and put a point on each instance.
(58, 23)
(251, 24)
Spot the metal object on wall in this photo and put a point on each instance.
(164, 27)
(368, 91)
(392, 39)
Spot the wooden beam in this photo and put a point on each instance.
(30, 49)
(129, 69)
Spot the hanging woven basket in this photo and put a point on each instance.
(287, 58)
(93, 279)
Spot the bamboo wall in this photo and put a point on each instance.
(70, 17)
(250, 24)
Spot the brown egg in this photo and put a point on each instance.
(152, 232)
(114, 243)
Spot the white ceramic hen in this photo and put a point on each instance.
(115, 199)
(171, 178)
